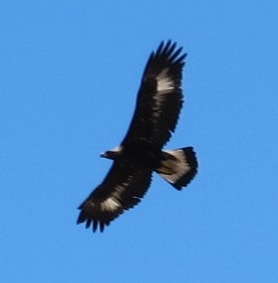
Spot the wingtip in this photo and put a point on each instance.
(170, 50)
(96, 225)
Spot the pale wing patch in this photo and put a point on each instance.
(164, 82)
(110, 204)
(165, 85)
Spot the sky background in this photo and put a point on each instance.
(69, 76)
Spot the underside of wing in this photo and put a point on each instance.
(160, 98)
(121, 189)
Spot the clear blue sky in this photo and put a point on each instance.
(69, 76)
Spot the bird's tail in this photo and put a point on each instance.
(178, 167)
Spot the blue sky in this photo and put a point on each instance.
(69, 76)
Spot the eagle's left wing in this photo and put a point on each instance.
(121, 189)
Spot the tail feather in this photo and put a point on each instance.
(178, 167)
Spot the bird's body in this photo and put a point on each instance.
(137, 154)
(141, 153)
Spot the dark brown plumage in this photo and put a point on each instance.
(158, 105)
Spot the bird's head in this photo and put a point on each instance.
(112, 154)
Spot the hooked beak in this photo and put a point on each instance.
(112, 154)
(103, 155)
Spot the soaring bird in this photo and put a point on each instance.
(141, 153)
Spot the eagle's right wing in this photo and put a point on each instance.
(160, 98)
(121, 189)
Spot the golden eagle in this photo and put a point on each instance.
(158, 105)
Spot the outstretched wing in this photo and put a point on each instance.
(160, 98)
(121, 189)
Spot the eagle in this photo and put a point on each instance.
(141, 153)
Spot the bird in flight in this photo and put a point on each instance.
(141, 153)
